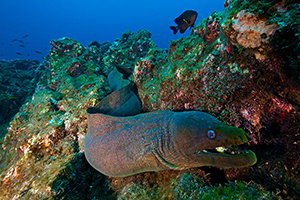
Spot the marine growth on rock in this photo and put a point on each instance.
(240, 65)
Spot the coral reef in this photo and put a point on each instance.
(234, 66)
(128, 48)
(240, 65)
(18, 79)
(47, 134)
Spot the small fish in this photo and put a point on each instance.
(25, 36)
(185, 20)
(20, 41)
(38, 52)
(12, 97)
(2, 43)
(21, 45)
(19, 53)
(14, 40)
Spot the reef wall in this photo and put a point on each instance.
(240, 65)
(18, 79)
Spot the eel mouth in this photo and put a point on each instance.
(229, 151)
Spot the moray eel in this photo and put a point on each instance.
(120, 142)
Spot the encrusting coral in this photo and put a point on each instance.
(244, 74)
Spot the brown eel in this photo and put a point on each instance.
(121, 142)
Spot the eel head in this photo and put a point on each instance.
(205, 141)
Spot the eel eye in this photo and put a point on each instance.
(211, 134)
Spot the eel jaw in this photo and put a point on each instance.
(225, 151)
(226, 157)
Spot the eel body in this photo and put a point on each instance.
(121, 141)
(154, 141)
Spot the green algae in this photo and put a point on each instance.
(92, 185)
(128, 48)
(47, 134)
(187, 186)
(287, 39)
(265, 8)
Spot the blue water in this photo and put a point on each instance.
(88, 20)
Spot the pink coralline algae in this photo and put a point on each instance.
(253, 32)
(212, 29)
(66, 46)
(226, 3)
(142, 67)
(76, 69)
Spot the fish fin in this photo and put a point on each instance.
(183, 29)
(174, 28)
(177, 20)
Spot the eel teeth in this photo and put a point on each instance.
(224, 150)
(220, 149)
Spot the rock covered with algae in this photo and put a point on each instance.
(190, 185)
(41, 155)
(241, 65)
(18, 79)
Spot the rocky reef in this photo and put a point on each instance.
(240, 65)
(18, 79)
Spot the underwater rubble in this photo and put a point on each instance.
(240, 65)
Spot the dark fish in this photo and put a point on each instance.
(21, 45)
(185, 20)
(14, 40)
(20, 41)
(38, 52)
(19, 53)
(2, 43)
(25, 36)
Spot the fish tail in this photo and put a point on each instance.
(174, 28)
